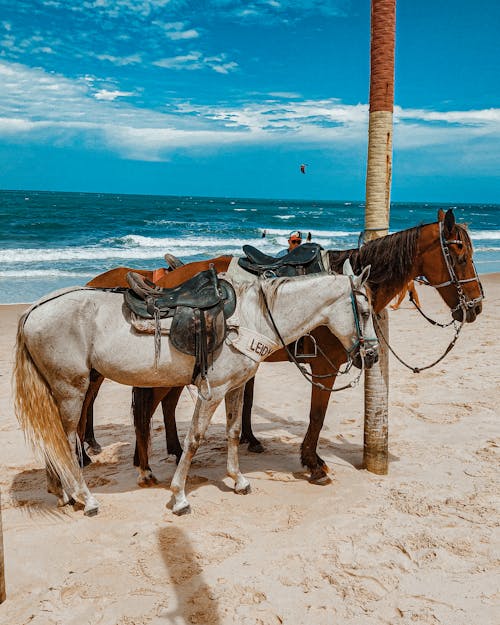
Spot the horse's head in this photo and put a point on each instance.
(447, 263)
(364, 342)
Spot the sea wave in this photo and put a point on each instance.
(316, 234)
(484, 234)
(43, 273)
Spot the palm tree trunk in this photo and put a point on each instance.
(378, 193)
(2, 569)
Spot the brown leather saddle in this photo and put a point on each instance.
(199, 308)
(304, 259)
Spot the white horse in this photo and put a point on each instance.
(65, 335)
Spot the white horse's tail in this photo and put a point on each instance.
(39, 416)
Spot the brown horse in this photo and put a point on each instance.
(441, 252)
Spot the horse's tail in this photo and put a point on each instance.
(38, 415)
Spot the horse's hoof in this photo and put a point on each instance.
(320, 479)
(94, 448)
(182, 511)
(256, 448)
(146, 482)
(243, 491)
(91, 511)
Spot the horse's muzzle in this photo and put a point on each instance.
(470, 315)
(371, 357)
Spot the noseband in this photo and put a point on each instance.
(464, 302)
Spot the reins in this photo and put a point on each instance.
(419, 369)
(309, 375)
(432, 321)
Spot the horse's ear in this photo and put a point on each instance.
(449, 222)
(360, 280)
(365, 274)
(347, 268)
(440, 214)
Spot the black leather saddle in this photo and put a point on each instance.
(304, 259)
(199, 308)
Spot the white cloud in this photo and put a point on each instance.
(39, 107)
(484, 116)
(195, 60)
(177, 31)
(109, 96)
(189, 61)
(133, 59)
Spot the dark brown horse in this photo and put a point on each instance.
(441, 252)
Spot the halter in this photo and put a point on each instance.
(463, 302)
(361, 340)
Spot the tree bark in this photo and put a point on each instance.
(2, 568)
(378, 195)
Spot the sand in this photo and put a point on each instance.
(419, 545)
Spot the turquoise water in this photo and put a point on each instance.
(51, 240)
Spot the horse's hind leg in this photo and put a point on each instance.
(143, 407)
(234, 405)
(247, 435)
(70, 407)
(169, 404)
(201, 418)
(54, 487)
(87, 417)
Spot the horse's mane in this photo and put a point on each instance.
(391, 258)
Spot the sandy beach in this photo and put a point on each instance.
(418, 546)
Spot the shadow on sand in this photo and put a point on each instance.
(196, 602)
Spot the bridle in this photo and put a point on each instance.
(464, 302)
(360, 343)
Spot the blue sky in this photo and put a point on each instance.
(228, 98)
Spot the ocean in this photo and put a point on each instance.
(50, 240)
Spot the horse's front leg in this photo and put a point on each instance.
(234, 406)
(201, 418)
(319, 404)
(247, 435)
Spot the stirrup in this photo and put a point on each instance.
(303, 355)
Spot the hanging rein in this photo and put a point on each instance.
(463, 302)
(360, 342)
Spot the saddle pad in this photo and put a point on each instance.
(237, 274)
